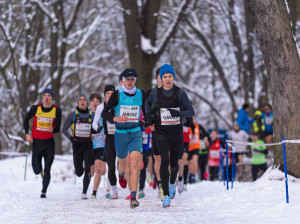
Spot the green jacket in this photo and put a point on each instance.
(258, 155)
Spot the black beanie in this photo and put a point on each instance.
(109, 88)
(129, 72)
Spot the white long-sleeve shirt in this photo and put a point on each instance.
(240, 136)
(97, 116)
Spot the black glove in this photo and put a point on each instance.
(99, 129)
(73, 140)
(174, 113)
(149, 120)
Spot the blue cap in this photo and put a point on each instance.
(166, 68)
(50, 91)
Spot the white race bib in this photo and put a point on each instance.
(43, 123)
(269, 120)
(186, 129)
(167, 119)
(145, 138)
(111, 128)
(214, 154)
(132, 112)
(83, 130)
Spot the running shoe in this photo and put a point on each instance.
(166, 201)
(172, 190)
(154, 184)
(108, 195)
(180, 186)
(141, 194)
(122, 181)
(128, 197)
(114, 196)
(93, 196)
(84, 196)
(43, 195)
(134, 203)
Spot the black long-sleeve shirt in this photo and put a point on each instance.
(113, 102)
(186, 108)
(33, 111)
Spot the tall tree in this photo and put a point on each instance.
(141, 28)
(283, 65)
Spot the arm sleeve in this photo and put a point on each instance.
(113, 101)
(97, 117)
(151, 98)
(57, 120)
(143, 106)
(185, 103)
(28, 116)
(67, 124)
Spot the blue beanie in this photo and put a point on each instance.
(50, 91)
(166, 68)
(87, 99)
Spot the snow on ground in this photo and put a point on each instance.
(262, 201)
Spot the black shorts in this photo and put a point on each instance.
(265, 134)
(192, 153)
(154, 145)
(186, 147)
(236, 156)
(99, 154)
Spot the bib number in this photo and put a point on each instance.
(43, 123)
(145, 138)
(132, 112)
(83, 130)
(111, 128)
(167, 119)
(269, 120)
(214, 154)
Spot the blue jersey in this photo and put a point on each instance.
(131, 107)
(268, 120)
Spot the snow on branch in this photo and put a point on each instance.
(51, 16)
(146, 43)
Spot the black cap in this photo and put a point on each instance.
(109, 88)
(245, 106)
(128, 72)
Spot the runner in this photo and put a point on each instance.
(172, 105)
(213, 154)
(146, 141)
(155, 153)
(183, 162)
(203, 153)
(81, 122)
(109, 130)
(99, 165)
(194, 147)
(127, 103)
(46, 122)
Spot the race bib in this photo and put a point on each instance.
(186, 129)
(269, 120)
(98, 141)
(167, 119)
(111, 128)
(132, 112)
(145, 138)
(83, 130)
(214, 154)
(43, 123)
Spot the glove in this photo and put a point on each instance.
(149, 120)
(73, 140)
(174, 113)
(99, 129)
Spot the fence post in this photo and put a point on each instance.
(285, 171)
(227, 161)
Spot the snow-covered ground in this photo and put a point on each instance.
(262, 201)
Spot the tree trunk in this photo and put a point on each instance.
(283, 65)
